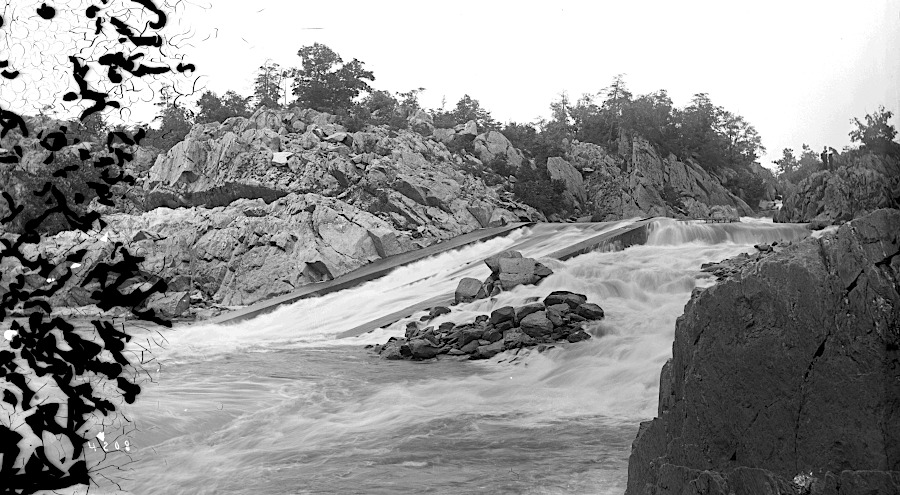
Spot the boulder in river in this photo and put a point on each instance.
(493, 262)
(467, 289)
(536, 324)
(518, 271)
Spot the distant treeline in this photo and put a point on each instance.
(873, 136)
(721, 141)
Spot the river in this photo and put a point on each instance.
(279, 405)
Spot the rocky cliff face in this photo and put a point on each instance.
(785, 378)
(234, 255)
(828, 197)
(638, 182)
(411, 181)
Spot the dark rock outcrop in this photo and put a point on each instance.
(785, 376)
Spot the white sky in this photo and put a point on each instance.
(796, 70)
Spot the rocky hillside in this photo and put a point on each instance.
(785, 377)
(247, 209)
(637, 181)
(251, 208)
(410, 180)
(833, 197)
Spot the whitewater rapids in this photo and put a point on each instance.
(278, 404)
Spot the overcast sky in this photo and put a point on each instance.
(797, 70)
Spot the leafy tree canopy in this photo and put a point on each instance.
(175, 121)
(467, 108)
(876, 134)
(326, 83)
(267, 85)
(212, 108)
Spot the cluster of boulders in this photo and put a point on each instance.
(559, 318)
(508, 269)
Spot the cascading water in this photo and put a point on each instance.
(278, 405)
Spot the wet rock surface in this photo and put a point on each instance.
(505, 328)
(785, 376)
(508, 270)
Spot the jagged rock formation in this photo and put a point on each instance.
(785, 377)
(574, 194)
(639, 182)
(234, 255)
(492, 145)
(255, 207)
(411, 181)
(828, 197)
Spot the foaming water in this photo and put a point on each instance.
(316, 321)
(753, 231)
(315, 414)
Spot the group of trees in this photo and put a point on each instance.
(715, 137)
(323, 82)
(873, 135)
(721, 141)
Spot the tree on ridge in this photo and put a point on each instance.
(326, 83)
